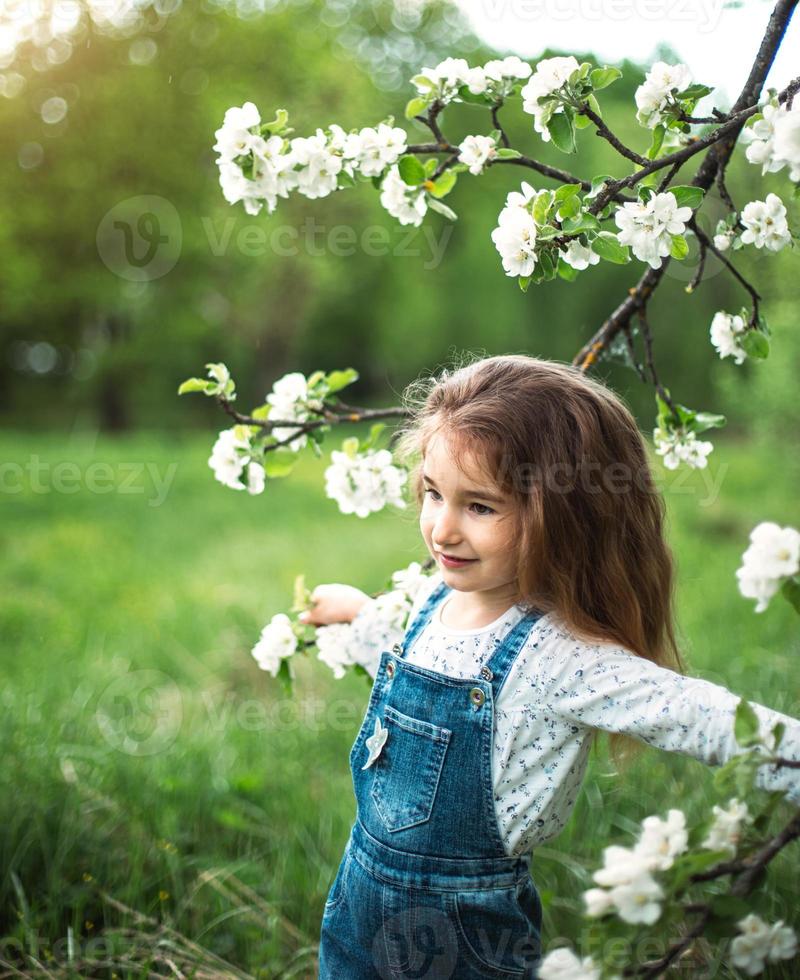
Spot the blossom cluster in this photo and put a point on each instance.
(773, 139)
(660, 88)
(258, 163)
(650, 226)
(279, 639)
(759, 942)
(628, 886)
(726, 333)
(550, 76)
(235, 461)
(389, 610)
(364, 482)
(681, 445)
(772, 558)
(494, 80)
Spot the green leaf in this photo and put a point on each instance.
(778, 731)
(374, 431)
(443, 184)
(566, 191)
(411, 170)
(524, 282)
(546, 264)
(422, 81)
(285, 676)
(695, 92)
(570, 208)
(345, 180)
(262, 412)
(430, 166)
(301, 595)
(584, 222)
(706, 420)
(790, 590)
(679, 248)
(276, 125)
(687, 196)
(547, 232)
(566, 272)
(756, 344)
(598, 183)
(442, 208)
(655, 144)
(414, 107)
(745, 726)
(581, 121)
(337, 380)
(729, 907)
(562, 130)
(541, 207)
(196, 384)
(279, 462)
(603, 77)
(506, 153)
(607, 246)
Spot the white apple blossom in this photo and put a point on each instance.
(563, 964)
(680, 446)
(231, 456)
(515, 239)
(276, 643)
(786, 139)
(621, 866)
(364, 482)
(447, 77)
(236, 137)
(346, 145)
(333, 647)
(759, 139)
(407, 204)
(652, 96)
(773, 142)
(724, 240)
(289, 402)
(410, 580)
(648, 226)
(661, 841)
(549, 76)
(319, 165)
(759, 942)
(765, 224)
(579, 256)
(725, 831)
(510, 67)
(726, 333)
(638, 900)
(379, 148)
(773, 555)
(476, 151)
(598, 902)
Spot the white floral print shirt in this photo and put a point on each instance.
(558, 689)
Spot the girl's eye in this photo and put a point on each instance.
(485, 509)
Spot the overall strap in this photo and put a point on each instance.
(496, 670)
(423, 616)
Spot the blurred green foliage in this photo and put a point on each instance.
(270, 294)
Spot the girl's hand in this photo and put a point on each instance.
(333, 603)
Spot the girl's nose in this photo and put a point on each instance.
(446, 529)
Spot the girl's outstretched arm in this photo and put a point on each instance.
(608, 687)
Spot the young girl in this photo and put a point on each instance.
(549, 617)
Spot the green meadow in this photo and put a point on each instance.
(163, 799)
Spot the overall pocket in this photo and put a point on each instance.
(408, 770)
(497, 935)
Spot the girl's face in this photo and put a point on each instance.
(464, 515)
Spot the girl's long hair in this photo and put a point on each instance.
(589, 520)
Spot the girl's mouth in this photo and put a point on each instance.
(455, 562)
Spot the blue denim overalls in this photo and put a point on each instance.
(425, 888)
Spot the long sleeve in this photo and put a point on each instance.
(608, 687)
(383, 621)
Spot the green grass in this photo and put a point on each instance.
(222, 819)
